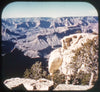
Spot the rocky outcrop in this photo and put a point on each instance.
(55, 60)
(62, 58)
(44, 84)
(40, 85)
(65, 87)
(69, 45)
(29, 84)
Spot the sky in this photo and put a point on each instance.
(48, 9)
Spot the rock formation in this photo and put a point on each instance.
(55, 60)
(40, 85)
(29, 84)
(62, 58)
(34, 35)
(77, 58)
(65, 87)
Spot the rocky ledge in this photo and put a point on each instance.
(41, 85)
(72, 87)
(29, 84)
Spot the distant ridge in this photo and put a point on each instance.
(33, 36)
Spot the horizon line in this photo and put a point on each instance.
(49, 17)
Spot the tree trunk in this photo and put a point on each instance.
(91, 79)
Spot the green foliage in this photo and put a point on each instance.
(37, 71)
(27, 73)
(87, 55)
(58, 78)
(83, 78)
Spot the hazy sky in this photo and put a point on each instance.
(48, 9)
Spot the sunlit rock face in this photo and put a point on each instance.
(65, 87)
(75, 41)
(62, 58)
(14, 82)
(55, 60)
(69, 47)
(29, 84)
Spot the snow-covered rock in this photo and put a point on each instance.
(29, 84)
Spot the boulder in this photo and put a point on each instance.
(29, 84)
(55, 60)
(14, 82)
(44, 84)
